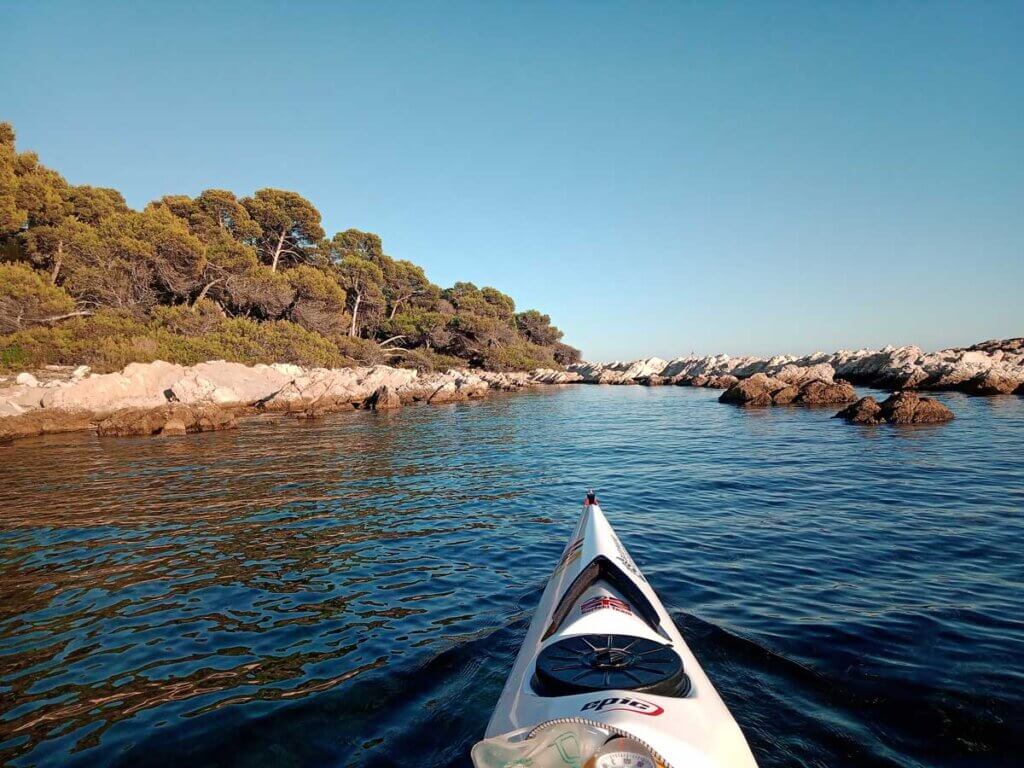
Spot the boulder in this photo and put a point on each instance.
(652, 380)
(900, 408)
(26, 380)
(825, 393)
(911, 408)
(759, 391)
(994, 382)
(864, 411)
(723, 381)
(753, 392)
(786, 395)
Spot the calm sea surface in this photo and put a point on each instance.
(353, 591)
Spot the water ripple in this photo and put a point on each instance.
(353, 591)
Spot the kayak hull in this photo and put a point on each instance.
(595, 592)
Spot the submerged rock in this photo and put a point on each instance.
(900, 408)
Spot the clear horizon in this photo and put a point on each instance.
(660, 179)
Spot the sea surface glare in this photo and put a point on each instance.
(353, 591)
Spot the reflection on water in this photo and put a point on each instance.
(353, 590)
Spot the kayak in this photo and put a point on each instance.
(604, 678)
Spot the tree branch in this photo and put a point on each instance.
(55, 318)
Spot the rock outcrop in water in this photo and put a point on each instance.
(168, 420)
(900, 408)
(988, 368)
(167, 399)
(759, 391)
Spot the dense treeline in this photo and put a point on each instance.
(86, 279)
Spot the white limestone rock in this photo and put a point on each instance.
(139, 385)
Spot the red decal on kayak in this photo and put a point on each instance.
(623, 704)
(603, 601)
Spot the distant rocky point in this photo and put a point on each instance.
(989, 368)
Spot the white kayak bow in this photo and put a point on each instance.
(604, 679)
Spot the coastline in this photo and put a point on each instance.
(160, 398)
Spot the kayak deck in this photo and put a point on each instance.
(602, 650)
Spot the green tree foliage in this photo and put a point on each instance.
(83, 278)
(363, 280)
(354, 242)
(404, 283)
(319, 301)
(537, 328)
(91, 205)
(12, 216)
(27, 298)
(289, 226)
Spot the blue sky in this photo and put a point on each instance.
(660, 178)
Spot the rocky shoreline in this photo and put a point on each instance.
(988, 368)
(165, 399)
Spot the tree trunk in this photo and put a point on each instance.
(355, 315)
(277, 251)
(58, 262)
(206, 290)
(398, 302)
